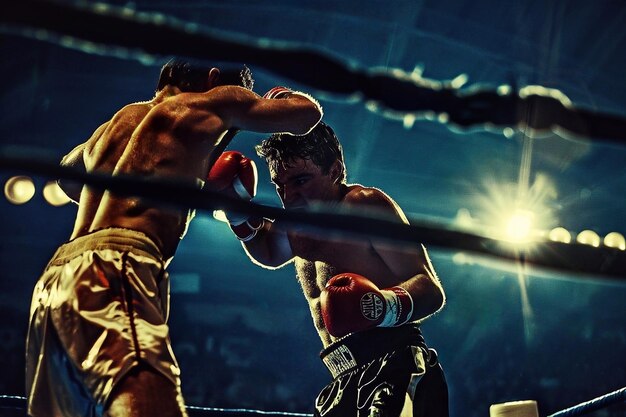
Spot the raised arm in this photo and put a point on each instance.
(280, 110)
(265, 243)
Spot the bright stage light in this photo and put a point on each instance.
(19, 190)
(514, 217)
(588, 237)
(519, 225)
(560, 234)
(464, 219)
(615, 240)
(54, 195)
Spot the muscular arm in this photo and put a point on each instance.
(423, 285)
(407, 261)
(240, 108)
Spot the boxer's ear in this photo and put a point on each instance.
(335, 171)
(214, 75)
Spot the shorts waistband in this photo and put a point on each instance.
(360, 348)
(114, 238)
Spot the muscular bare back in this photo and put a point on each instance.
(150, 139)
(172, 136)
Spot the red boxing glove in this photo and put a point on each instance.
(351, 303)
(233, 170)
(278, 92)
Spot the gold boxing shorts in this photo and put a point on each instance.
(99, 309)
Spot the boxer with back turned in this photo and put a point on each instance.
(98, 341)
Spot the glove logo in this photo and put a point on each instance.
(371, 306)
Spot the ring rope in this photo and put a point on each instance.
(598, 403)
(600, 262)
(611, 398)
(244, 411)
(408, 94)
(16, 402)
(143, 35)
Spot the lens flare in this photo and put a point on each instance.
(19, 190)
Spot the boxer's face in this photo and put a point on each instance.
(301, 182)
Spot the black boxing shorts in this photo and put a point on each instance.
(383, 372)
(99, 309)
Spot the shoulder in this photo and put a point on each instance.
(127, 117)
(138, 107)
(131, 113)
(373, 198)
(361, 195)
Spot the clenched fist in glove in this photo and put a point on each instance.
(351, 303)
(234, 171)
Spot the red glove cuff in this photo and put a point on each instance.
(399, 307)
(248, 230)
(278, 92)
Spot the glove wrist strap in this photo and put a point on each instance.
(247, 230)
(236, 219)
(398, 307)
(241, 189)
(277, 92)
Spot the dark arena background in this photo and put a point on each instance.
(498, 126)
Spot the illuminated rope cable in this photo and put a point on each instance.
(142, 36)
(13, 402)
(603, 262)
(615, 397)
(150, 33)
(19, 403)
(244, 412)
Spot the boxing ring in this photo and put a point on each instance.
(144, 36)
(18, 404)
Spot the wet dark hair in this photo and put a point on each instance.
(320, 146)
(191, 78)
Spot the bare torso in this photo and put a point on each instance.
(318, 258)
(143, 140)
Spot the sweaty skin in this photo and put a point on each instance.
(318, 256)
(171, 136)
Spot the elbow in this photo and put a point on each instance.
(430, 303)
(264, 264)
(439, 299)
(309, 120)
(265, 261)
(268, 264)
(310, 114)
(316, 114)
